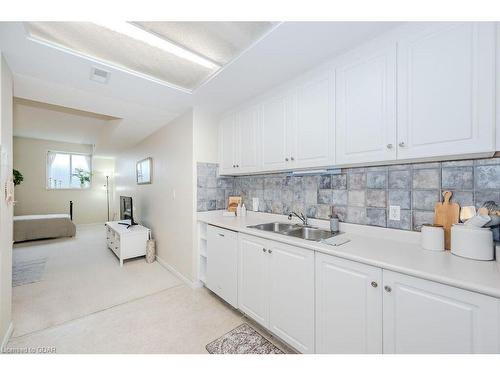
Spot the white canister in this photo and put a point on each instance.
(471, 242)
(432, 237)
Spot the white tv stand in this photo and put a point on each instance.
(126, 242)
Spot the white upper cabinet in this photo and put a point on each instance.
(248, 135)
(421, 316)
(366, 105)
(446, 83)
(276, 131)
(227, 144)
(422, 91)
(313, 133)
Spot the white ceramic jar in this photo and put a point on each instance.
(432, 237)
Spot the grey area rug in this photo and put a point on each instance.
(242, 340)
(27, 272)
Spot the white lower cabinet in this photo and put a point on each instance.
(421, 316)
(319, 303)
(222, 263)
(348, 306)
(291, 304)
(276, 288)
(253, 287)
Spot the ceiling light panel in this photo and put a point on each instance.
(219, 41)
(182, 54)
(117, 49)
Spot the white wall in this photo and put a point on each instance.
(167, 205)
(6, 210)
(205, 125)
(33, 197)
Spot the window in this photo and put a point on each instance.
(64, 170)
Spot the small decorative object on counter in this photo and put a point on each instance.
(334, 221)
(150, 251)
(233, 203)
(472, 242)
(446, 214)
(255, 204)
(243, 210)
(238, 209)
(432, 237)
(467, 212)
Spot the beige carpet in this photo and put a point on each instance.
(81, 277)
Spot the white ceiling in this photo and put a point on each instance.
(51, 122)
(212, 43)
(54, 76)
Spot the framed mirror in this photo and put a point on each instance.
(144, 170)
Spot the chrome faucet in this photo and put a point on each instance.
(301, 216)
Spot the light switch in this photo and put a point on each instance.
(395, 213)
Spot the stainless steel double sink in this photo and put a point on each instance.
(296, 230)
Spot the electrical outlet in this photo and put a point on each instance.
(395, 213)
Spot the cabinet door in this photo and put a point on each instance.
(348, 306)
(222, 264)
(253, 288)
(421, 316)
(276, 122)
(248, 153)
(313, 125)
(366, 106)
(446, 90)
(227, 141)
(291, 281)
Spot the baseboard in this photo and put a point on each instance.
(7, 337)
(184, 279)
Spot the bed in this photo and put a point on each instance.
(37, 227)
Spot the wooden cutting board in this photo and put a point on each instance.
(446, 214)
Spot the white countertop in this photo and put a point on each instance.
(390, 249)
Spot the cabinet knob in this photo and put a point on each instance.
(388, 289)
(237, 166)
(402, 144)
(286, 159)
(389, 146)
(291, 158)
(263, 249)
(234, 166)
(269, 251)
(374, 284)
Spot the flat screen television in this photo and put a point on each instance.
(126, 210)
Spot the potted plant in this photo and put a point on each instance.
(18, 177)
(83, 176)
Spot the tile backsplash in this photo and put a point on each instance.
(359, 195)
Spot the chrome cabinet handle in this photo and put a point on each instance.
(374, 284)
(291, 158)
(220, 234)
(389, 146)
(286, 159)
(269, 251)
(263, 249)
(402, 144)
(388, 289)
(237, 166)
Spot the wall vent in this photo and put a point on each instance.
(99, 75)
